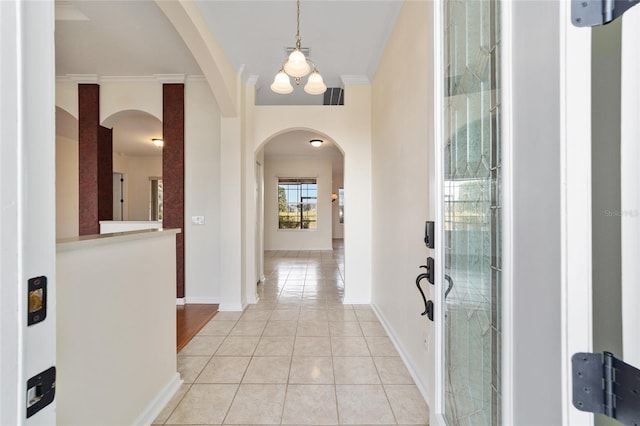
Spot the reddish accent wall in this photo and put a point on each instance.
(173, 170)
(88, 123)
(105, 173)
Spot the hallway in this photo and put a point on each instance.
(299, 356)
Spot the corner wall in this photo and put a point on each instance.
(402, 152)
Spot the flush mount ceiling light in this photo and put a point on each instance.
(158, 142)
(298, 66)
(315, 142)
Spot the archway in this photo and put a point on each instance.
(283, 224)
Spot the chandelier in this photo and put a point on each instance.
(298, 66)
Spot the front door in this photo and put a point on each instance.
(472, 213)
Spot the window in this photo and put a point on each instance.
(156, 198)
(297, 203)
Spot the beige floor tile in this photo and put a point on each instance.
(256, 315)
(365, 315)
(313, 314)
(190, 367)
(363, 404)
(345, 329)
(407, 404)
(248, 328)
(381, 346)
(310, 405)
(238, 346)
(204, 404)
(257, 404)
(312, 328)
(275, 346)
(224, 369)
(268, 369)
(280, 328)
(227, 316)
(172, 404)
(285, 315)
(349, 346)
(217, 328)
(202, 345)
(392, 370)
(341, 314)
(312, 346)
(311, 370)
(355, 370)
(372, 328)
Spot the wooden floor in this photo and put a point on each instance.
(190, 320)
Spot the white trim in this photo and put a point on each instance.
(201, 300)
(170, 78)
(128, 79)
(352, 80)
(506, 136)
(422, 387)
(437, 410)
(630, 182)
(575, 163)
(154, 408)
(356, 301)
(84, 78)
(179, 301)
(231, 307)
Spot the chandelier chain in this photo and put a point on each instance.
(298, 44)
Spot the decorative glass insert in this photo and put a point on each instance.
(297, 203)
(472, 209)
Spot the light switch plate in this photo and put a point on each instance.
(197, 220)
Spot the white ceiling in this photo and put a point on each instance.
(134, 38)
(296, 144)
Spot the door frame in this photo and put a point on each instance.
(27, 178)
(575, 97)
(575, 106)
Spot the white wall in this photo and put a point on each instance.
(67, 199)
(297, 239)
(116, 368)
(202, 194)
(402, 120)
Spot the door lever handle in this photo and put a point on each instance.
(424, 299)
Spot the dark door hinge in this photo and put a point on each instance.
(590, 13)
(605, 385)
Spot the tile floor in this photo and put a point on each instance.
(298, 357)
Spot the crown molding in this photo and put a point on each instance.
(170, 78)
(355, 80)
(128, 79)
(195, 78)
(84, 78)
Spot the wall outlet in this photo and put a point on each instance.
(197, 220)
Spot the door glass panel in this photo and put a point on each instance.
(472, 213)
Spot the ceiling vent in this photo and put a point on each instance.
(304, 50)
(334, 96)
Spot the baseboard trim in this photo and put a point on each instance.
(418, 381)
(179, 301)
(202, 300)
(231, 307)
(156, 405)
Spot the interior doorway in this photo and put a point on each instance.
(118, 196)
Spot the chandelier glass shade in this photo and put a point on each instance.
(298, 66)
